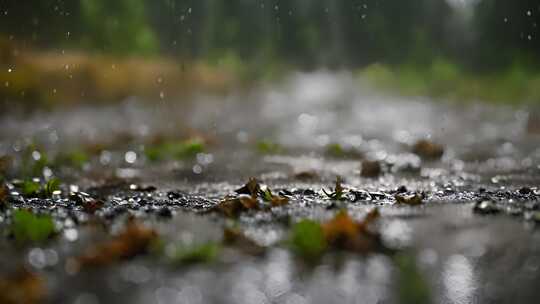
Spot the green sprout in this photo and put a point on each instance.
(30, 188)
(203, 253)
(338, 192)
(307, 240)
(27, 227)
(267, 194)
(35, 189)
(50, 187)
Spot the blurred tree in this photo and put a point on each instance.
(304, 33)
(118, 26)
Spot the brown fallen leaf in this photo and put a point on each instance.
(274, 200)
(233, 206)
(3, 195)
(277, 201)
(306, 175)
(92, 206)
(236, 238)
(427, 149)
(5, 162)
(252, 188)
(135, 239)
(343, 232)
(23, 287)
(371, 168)
(409, 199)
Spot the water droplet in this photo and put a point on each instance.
(161, 94)
(71, 234)
(47, 172)
(36, 258)
(105, 157)
(529, 13)
(130, 157)
(197, 169)
(36, 155)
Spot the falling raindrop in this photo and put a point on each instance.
(130, 157)
(197, 169)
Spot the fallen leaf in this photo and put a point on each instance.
(306, 175)
(338, 192)
(3, 195)
(92, 206)
(135, 239)
(233, 206)
(343, 232)
(23, 287)
(252, 188)
(371, 168)
(409, 199)
(427, 149)
(274, 200)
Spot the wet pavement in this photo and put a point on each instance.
(474, 238)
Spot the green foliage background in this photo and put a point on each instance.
(433, 47)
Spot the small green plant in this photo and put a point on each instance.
(307, 240)
(412, 286)
(30, 188)
(50, 187)
(204, 253)
(27, 227)
(75, 158)
(175, 150)
(268, 147)
(335, 150)
(35, 189)
(338, 192)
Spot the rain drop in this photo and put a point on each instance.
(130, 157)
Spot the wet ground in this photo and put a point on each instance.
(474, 236)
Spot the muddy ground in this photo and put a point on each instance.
(459, 214)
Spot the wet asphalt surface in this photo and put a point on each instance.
(467, 252)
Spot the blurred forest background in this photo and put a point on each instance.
(60, 52)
